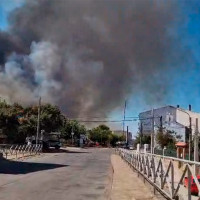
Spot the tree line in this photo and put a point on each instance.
(164, 138)
(17, 122)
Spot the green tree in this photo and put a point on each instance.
(166, 137)
(101, 134)
(18, 122)
(116, 138)
(8, 121)
(51, 119)
(143, 139)
(70, 126)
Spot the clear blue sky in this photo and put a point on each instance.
(186, 88)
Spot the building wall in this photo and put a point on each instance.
(178, 129)
(173, 118)
(168, 114)
(183, 118)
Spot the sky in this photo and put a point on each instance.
(186, 84)
(5, 7)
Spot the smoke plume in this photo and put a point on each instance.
(87, 56)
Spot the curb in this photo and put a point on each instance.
(110, 181)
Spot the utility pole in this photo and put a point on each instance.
(141, 133)
(190, 136)
(38, 121)
(72, 133)
(152, 133)
(124, 117)
(196, 144)
(127, 136)
(161, 125)
(190, 129)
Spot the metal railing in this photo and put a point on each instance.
(19, 151)
(166, 174)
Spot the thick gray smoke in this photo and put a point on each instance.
(86, 56)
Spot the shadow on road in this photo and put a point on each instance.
(63, 151)
(17, 167)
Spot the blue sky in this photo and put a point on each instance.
(186, 84)
(5, 7)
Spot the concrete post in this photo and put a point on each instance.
(190, 137)
(145, 148)
(138, 148)
(196, 144)
(152, 133)
(177, 152)
(164, 150)
(183, 153)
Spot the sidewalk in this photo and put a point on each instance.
(126, 185)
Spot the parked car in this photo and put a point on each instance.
(91, 144)
(49, 140)
(194, 189)
(52, 140)
(130, 147)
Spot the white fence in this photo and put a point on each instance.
(166, 174)
(18, 151)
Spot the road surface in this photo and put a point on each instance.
(73, 174)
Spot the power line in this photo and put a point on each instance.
(131, 117)
(86, 117)
(109, 119)
(104, 121)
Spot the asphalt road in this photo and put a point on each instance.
(76, 174)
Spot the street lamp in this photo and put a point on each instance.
(190, 131)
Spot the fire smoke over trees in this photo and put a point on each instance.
(87, 56)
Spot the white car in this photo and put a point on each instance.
(130, 147)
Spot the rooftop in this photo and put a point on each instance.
(174, 107)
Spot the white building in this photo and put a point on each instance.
(173, 118)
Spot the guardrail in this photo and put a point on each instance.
(18, 151)
(166, 174)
